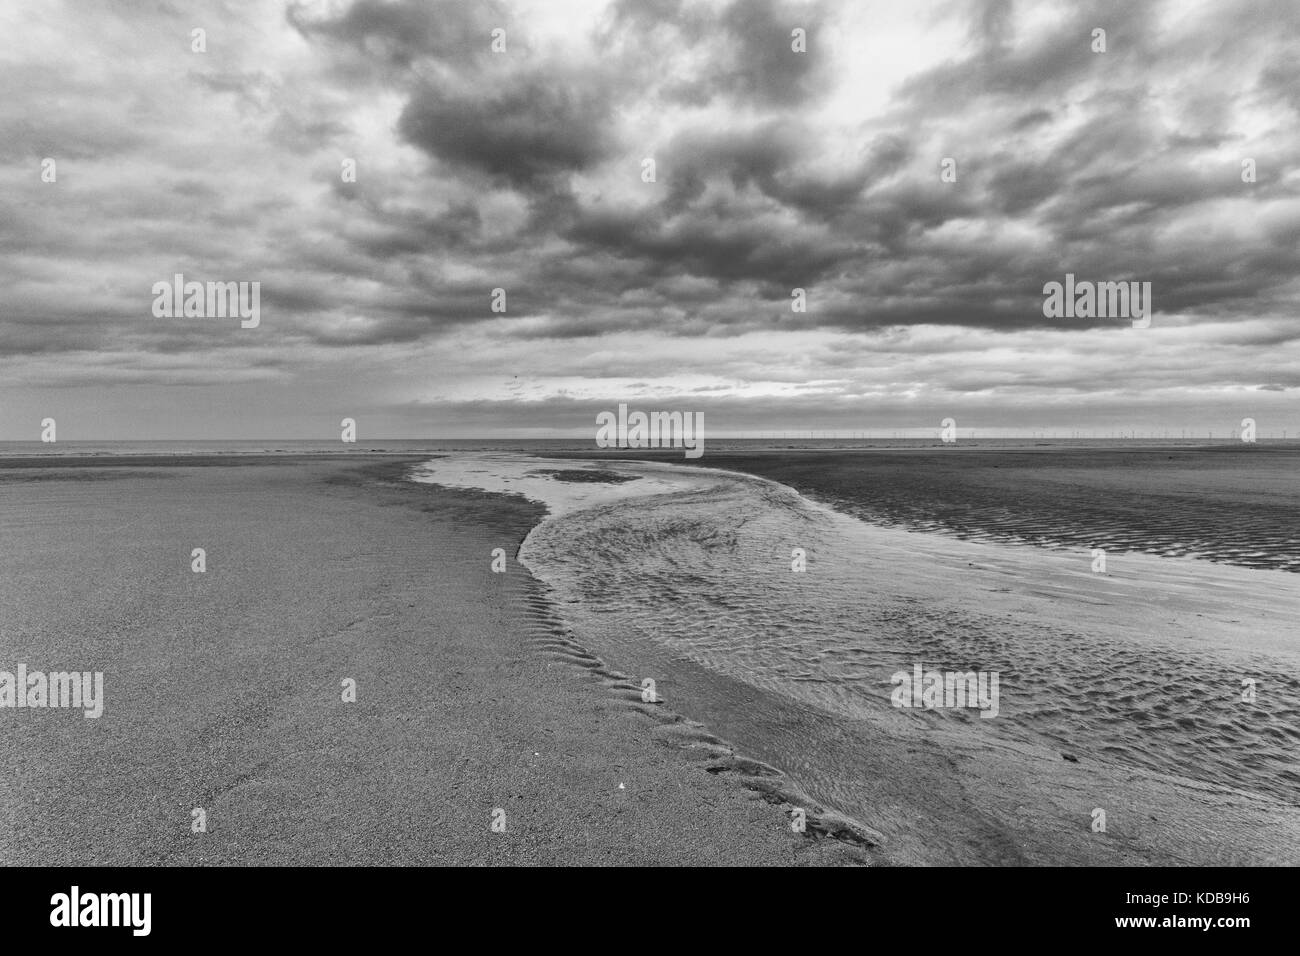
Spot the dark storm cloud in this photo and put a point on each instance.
(540, 126)
(415, 233)
(1102, 193)
(401, 33)
(1280, 81)
(772, 157)
(1002, 65)
(711, 242)
(744, 201)
(760, 67)
(748, 44)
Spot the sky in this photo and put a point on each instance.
(523, 168)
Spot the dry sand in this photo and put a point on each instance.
(223, 689)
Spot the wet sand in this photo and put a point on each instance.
(1159, 645)
(223, 689)
(1233, 504)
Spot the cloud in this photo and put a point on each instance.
(776, 170)
(538, 127)
(405, 32)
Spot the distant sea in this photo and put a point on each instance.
(1223, 501)
(547, 446)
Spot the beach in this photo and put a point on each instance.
(223, 690)
(675, 665)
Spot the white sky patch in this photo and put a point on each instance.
(877, 46)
